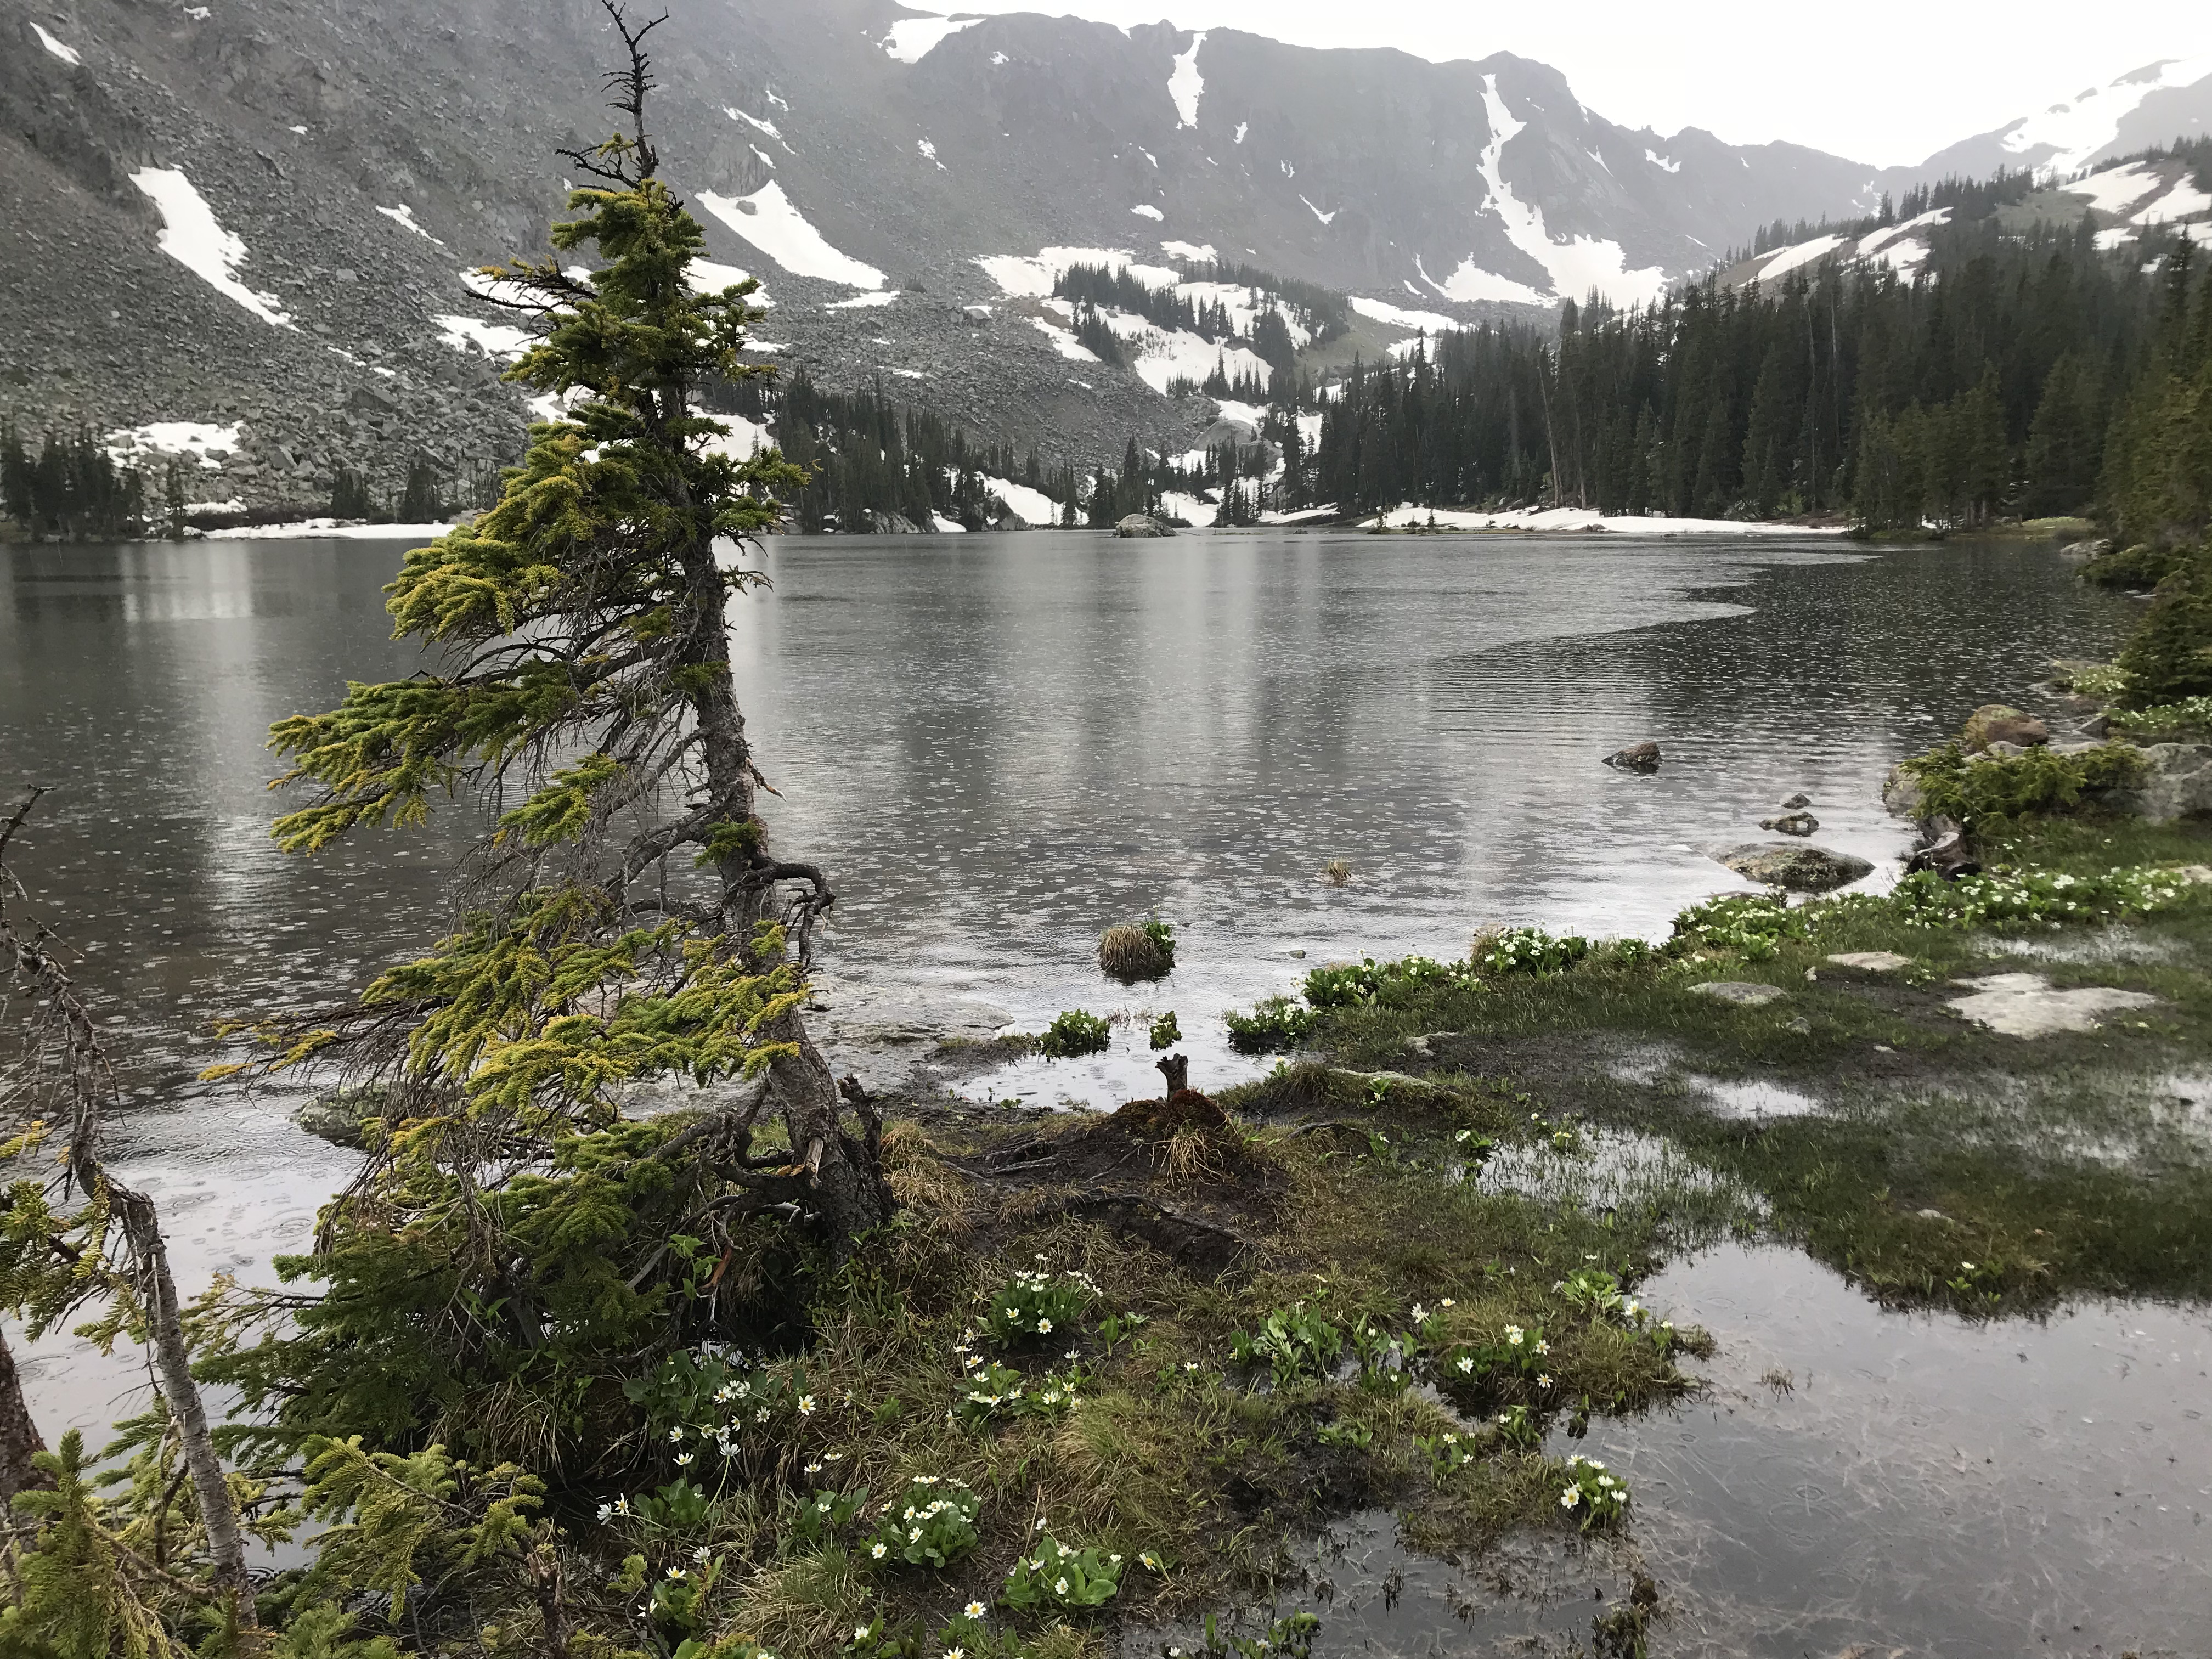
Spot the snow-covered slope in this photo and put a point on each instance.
(2149, 106)
(258, 211)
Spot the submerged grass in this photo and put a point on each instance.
(1950, 1163)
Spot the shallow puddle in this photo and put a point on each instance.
(1850, 1476)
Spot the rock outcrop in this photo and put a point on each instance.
(1139, 526)
(2176, 783)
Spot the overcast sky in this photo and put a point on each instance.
(1888, 81)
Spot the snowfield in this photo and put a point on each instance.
(773, 223)
(2077, 130)
(913, 39)
(2115, 190)
(191, 236)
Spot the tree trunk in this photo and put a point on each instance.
(847, 1186)
(19, 1437)
(172, 1372)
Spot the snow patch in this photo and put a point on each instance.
(1661, 162)
(67, 54)
(2077, 128)
(863, 302)
(913, 39)
(2116, 189)
(1187, 85)
(1034, 504)
(712, 276)
(929, 154)
(1150, 212)
(1329, 217)
(1583, 520)
(1196, 253)
(742, 440)
(1432, 322)
(403, 216)
(2182, 202)
(1064, 342)
(1023, 278)
(771, 222)
(1575, 266)
(328, 530)
(200, 439)
(753, 121)
(1242, 127)
(948, 527)
(1804, 253)
(191, 236)
(502, 341)
(1471, 284)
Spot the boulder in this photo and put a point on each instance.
(1798, 802)
(1799, 869)
(2088, 549)
(1791, 823)
(1139, 526)
(1903, 795)
(1744, 993)
(1996, 723)
(2176, 783)
(1637, 757)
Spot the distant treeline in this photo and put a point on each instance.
(71, 488)
(1986, 383)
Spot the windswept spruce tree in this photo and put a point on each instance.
(514, 1243)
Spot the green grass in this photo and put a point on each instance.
(2056, 1167)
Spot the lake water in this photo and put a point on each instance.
(998, 746)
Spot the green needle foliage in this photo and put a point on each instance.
(505, 1258)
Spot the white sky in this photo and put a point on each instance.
(1888, 81)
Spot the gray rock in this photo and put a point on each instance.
(1798, 802)
(1902, 794)
(2088, 549)
(1743, 992)
(1872, 962)
(1637, 757)
(2028, 1006)
(1138, 527)
(1799, 869)
(1794, 823)
(2176, 783)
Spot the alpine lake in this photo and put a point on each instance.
(998, 745)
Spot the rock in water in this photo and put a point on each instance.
(1637, 757)
(1995, 723)
(1139, 526)
(1800, 869)
(1796, 803)
(1794, 823)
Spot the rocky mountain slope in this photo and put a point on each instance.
(243, 226)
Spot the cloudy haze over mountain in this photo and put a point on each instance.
(1888, 81)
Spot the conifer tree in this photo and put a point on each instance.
(628, 918)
